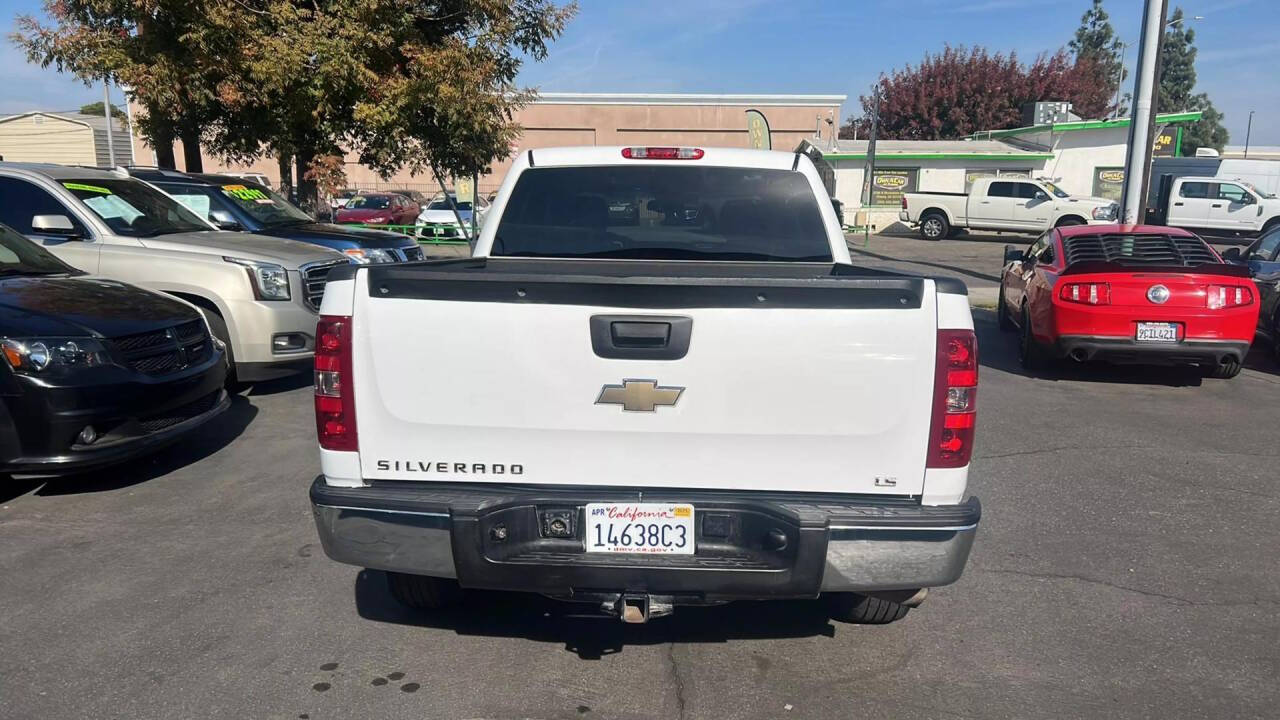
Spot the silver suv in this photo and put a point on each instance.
(260, 294)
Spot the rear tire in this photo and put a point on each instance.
(866, 610)
(1223, 371)
(423, 593)
(1002, 312)
(1030, 353)
(934, 226)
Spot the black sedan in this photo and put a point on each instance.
(95, 371)
(1263, 258)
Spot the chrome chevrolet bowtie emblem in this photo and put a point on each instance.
(638, 395)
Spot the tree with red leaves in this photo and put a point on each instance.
(961, 91)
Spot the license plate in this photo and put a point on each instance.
(652, 528)
(1157, 332)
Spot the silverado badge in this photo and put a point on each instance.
(638, 395)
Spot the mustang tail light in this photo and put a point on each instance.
(1086, 293)
(1228, 296)
(335, 401)
(662, 153)
(955, 398)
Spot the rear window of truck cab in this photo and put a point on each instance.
(663, 212)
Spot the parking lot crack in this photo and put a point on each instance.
(675, 679)
(1259, 602)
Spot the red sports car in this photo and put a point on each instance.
(1127, 294)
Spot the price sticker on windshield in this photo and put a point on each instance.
(244, 193)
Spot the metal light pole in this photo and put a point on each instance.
(1119, 79)
(106, 111)
(1137, 161)
(1248, 131)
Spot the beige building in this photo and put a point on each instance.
(62, 138)
(613, 119)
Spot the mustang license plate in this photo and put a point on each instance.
(1157, 332)
(657, 528)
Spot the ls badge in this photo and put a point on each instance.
(639, 395)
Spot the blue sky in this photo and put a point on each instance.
(814, 46)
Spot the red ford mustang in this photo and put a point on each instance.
(1127, 294)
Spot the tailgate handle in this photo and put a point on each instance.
(641, 337)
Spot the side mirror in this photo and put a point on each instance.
(54, 225)
(1013, 254)
(1041, 196)
(1231, 254)
(224, 221)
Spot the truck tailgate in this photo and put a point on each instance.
(806, 382)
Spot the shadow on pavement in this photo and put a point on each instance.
(588, 635)
(998, 350)
(280, 385)
(186, 450)
(941, 266)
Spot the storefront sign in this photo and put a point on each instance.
(1166, 143)
(889, 184)
(1108, 182)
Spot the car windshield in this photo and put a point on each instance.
(1057, 191)
(663, 212)
(20, 256)
(369, 202)
(444, 205)
(133, 208)
(1254, 189)
(264, 205)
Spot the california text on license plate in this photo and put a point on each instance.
(659, 528)
(1157, 332)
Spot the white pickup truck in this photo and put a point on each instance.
(1217, 206)
(1005, 204)
(697, 401)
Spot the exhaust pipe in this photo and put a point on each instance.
(1079, 355)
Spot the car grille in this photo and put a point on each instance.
(161, 352)
(314, 278)
(1149, 249)
(172, 417)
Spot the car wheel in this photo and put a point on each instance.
(1030, 354)
(218, 327)
(1223, 371)
(1069, 221)
(865, 610)
(423, 593)
(1002, 311)
(934, 226)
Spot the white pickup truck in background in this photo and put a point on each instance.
(1216, 206)
(1004, 204)
(692, 400)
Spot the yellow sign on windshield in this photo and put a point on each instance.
(244, 193)
(86, 188)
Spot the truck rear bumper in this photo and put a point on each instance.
(833, 543)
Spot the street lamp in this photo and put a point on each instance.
(1248, 131)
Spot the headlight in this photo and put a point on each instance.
(31, 356)
(369, 255)
(269, 281)
(1106, 212)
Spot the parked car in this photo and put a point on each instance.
(1216, 206)
(413, 195)
(234, 204)
(438, 221)
(546, 466)
(1262, 257)
(95, 371)
(1002, 204)
(1127, 294)
(382, 208)
(259, 294)
(253, 177)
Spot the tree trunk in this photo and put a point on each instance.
(163, 145)
(285, 164)
(191, 150)
(308, 195)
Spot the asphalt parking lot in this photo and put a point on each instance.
(1128, 565)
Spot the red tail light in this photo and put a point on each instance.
(1086, 293)
(335, 401)
(1228, 296)
(662, 153)
(955, 398)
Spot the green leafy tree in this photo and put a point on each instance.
(95, 108)
(1177, 88)
(1096, 41)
